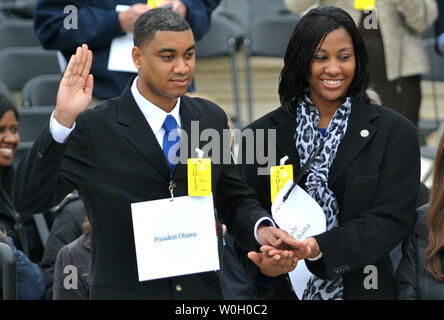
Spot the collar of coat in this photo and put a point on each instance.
(361, 120)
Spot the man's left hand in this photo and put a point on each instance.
(273, 265)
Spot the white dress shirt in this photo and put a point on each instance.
(154, 115)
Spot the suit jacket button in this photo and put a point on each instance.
(40, 155)
(178, 288)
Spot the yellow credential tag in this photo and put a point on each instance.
(279, 175)
(364, 5)
(154, 3)
(199, 177)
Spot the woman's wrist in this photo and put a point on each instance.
(315, 252)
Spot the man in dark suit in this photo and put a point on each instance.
(439, 27)
(114, 155)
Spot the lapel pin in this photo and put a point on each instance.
(364, 133)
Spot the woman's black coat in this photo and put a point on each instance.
(375, 177)
(412, 279)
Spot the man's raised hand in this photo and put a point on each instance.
(76, 87)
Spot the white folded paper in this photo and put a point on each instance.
(175, 237)
(120, 53)
(302, 217)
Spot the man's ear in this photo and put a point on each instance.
(137, 57)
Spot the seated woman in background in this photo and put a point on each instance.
(420, 274)
(366, 171)
(30, 281)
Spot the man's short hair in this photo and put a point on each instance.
(158, 19)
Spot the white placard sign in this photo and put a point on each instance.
(302, 217)
(175, 237)
(120, 53)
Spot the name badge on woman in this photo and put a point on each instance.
(279, 175)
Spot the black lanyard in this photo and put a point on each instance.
(313, 155)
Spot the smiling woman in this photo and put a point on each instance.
(30, 281)
(9, 136)
(332, 72)
(364, 175)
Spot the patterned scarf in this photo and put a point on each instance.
(308, 137)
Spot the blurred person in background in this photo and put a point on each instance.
(30, 281)
(439, 27)
(98, 24)
(69, 218)
(72, 266)
(420, 274)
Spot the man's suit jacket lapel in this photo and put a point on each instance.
(360, 131)
(138, 132)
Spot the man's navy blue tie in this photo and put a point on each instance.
(170, 146)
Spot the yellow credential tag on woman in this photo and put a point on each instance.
(279, 175)
(199, 177)
(154, 3)
(364, 5)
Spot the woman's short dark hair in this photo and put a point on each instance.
(307, 35)
(158, 19)
(6, 105)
